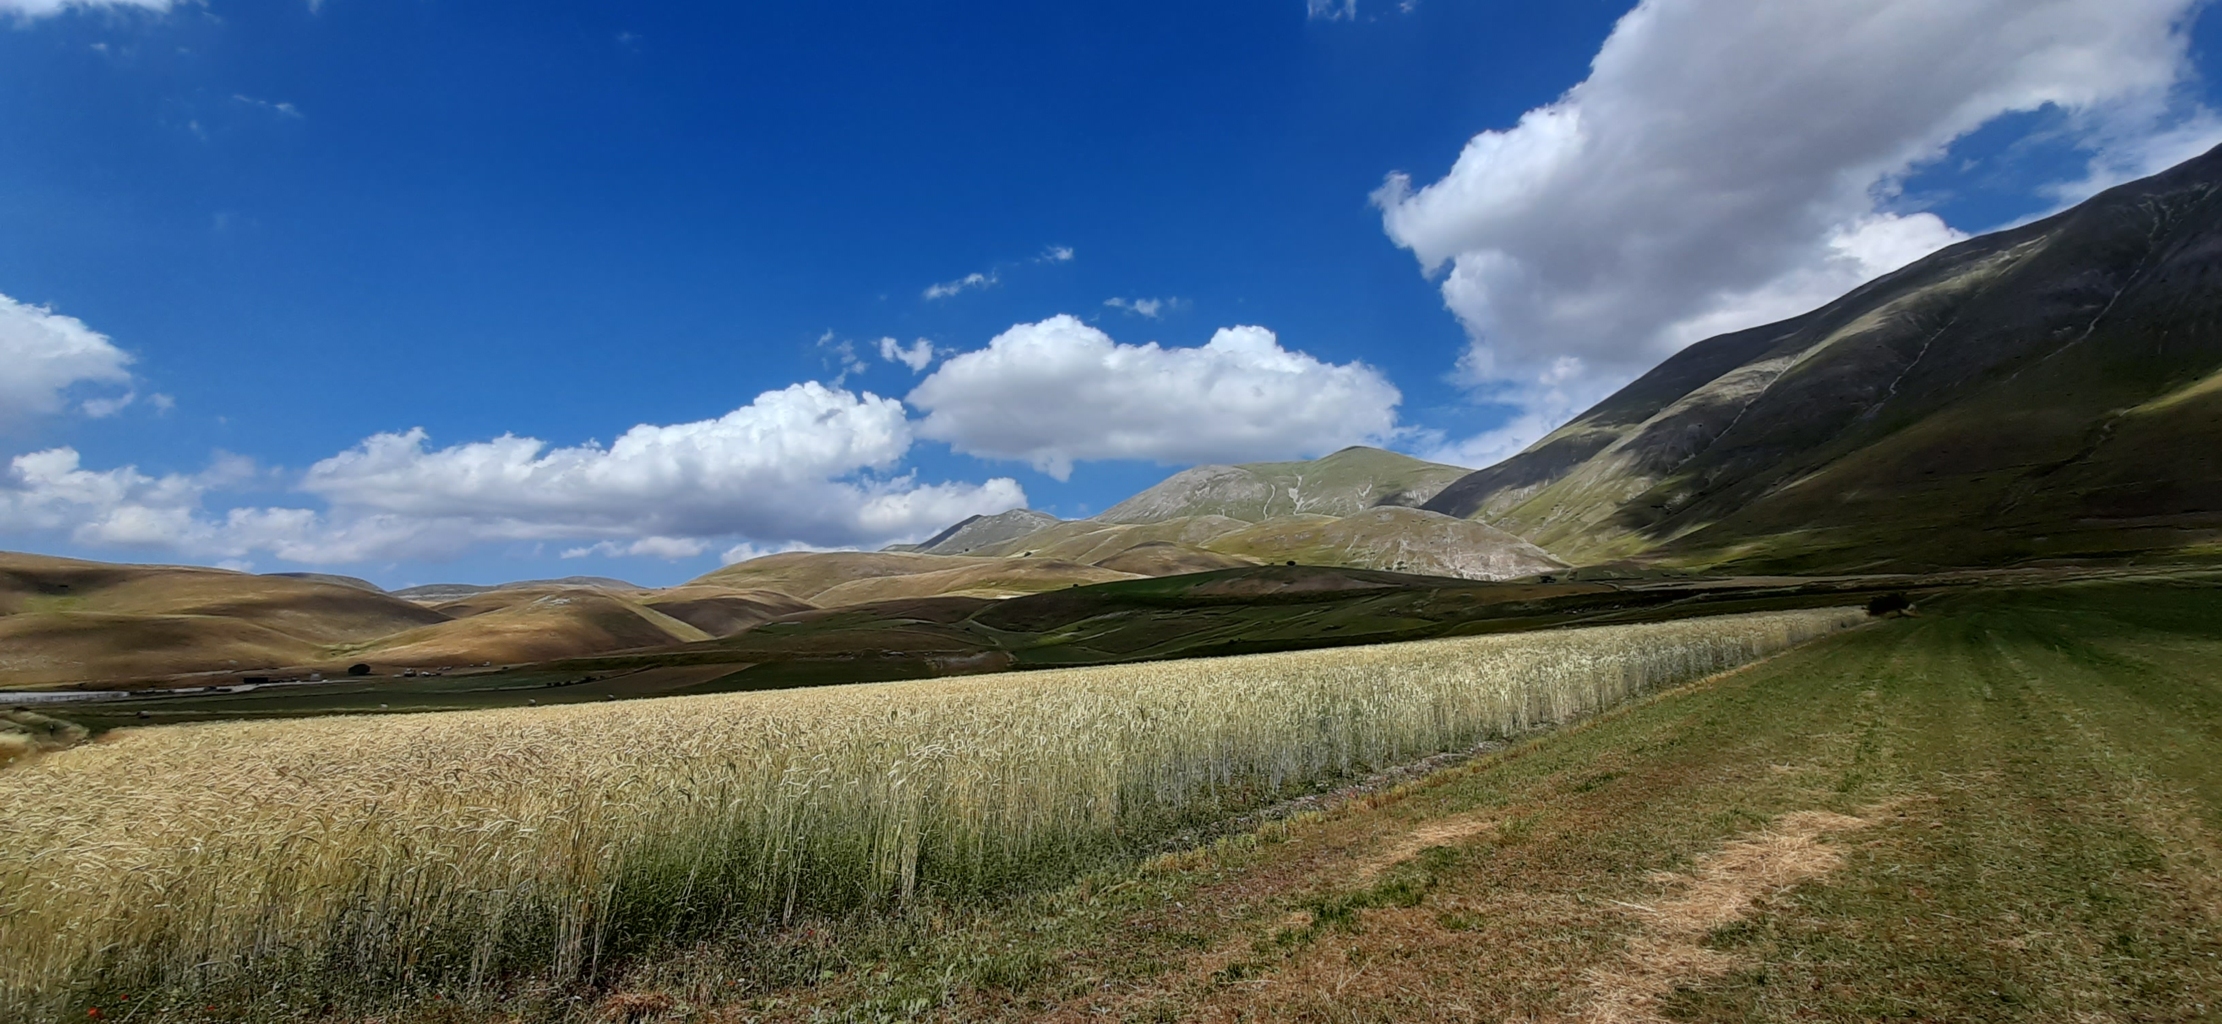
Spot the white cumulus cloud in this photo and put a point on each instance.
(1731, 162)
(807, 464)
(772, 469)
(1060, 391)
(44, 355)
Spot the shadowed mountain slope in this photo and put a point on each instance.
(2046, 391)
(1349, 481)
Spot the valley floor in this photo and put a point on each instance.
(2006, 808)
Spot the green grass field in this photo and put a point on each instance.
(2033, 775)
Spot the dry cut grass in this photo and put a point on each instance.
(367, 854)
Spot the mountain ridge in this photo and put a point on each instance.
(2000, 400)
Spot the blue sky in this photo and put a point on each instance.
(292, 233)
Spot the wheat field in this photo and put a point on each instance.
(400, 853)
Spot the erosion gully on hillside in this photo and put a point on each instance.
(2001, 809)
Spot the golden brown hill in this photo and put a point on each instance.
(1393, 539)
(305, 609)
(992, 578)
(49, 649)
(723, 611)
(63, 620)
(806, 574)
(555, 623)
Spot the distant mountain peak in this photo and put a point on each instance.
(975, 532)
(1349, 481)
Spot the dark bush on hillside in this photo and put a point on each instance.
(1889, 604)
(358, 670)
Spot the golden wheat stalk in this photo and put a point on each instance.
(451, 849)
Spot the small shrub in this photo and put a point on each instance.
(1886, 605)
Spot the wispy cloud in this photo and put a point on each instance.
(284, 110)
(968, 282)
(842, 354)
(669, 548)
(993, 276)
(1150, 308)
(1331, 10)
(918, 355)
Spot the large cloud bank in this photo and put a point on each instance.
(1732, 162)
(44, 356)
(807, 464)
(1061, 391)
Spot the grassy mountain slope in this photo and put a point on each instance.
(44, 649)
(1161, 558)
(1351, 480)
(65, 620)
(1091, 541)
(309, 610)
(1392, 539)
(2047, 391)
(723, 611)
(994, 579)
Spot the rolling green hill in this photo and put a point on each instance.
(2045, 392)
